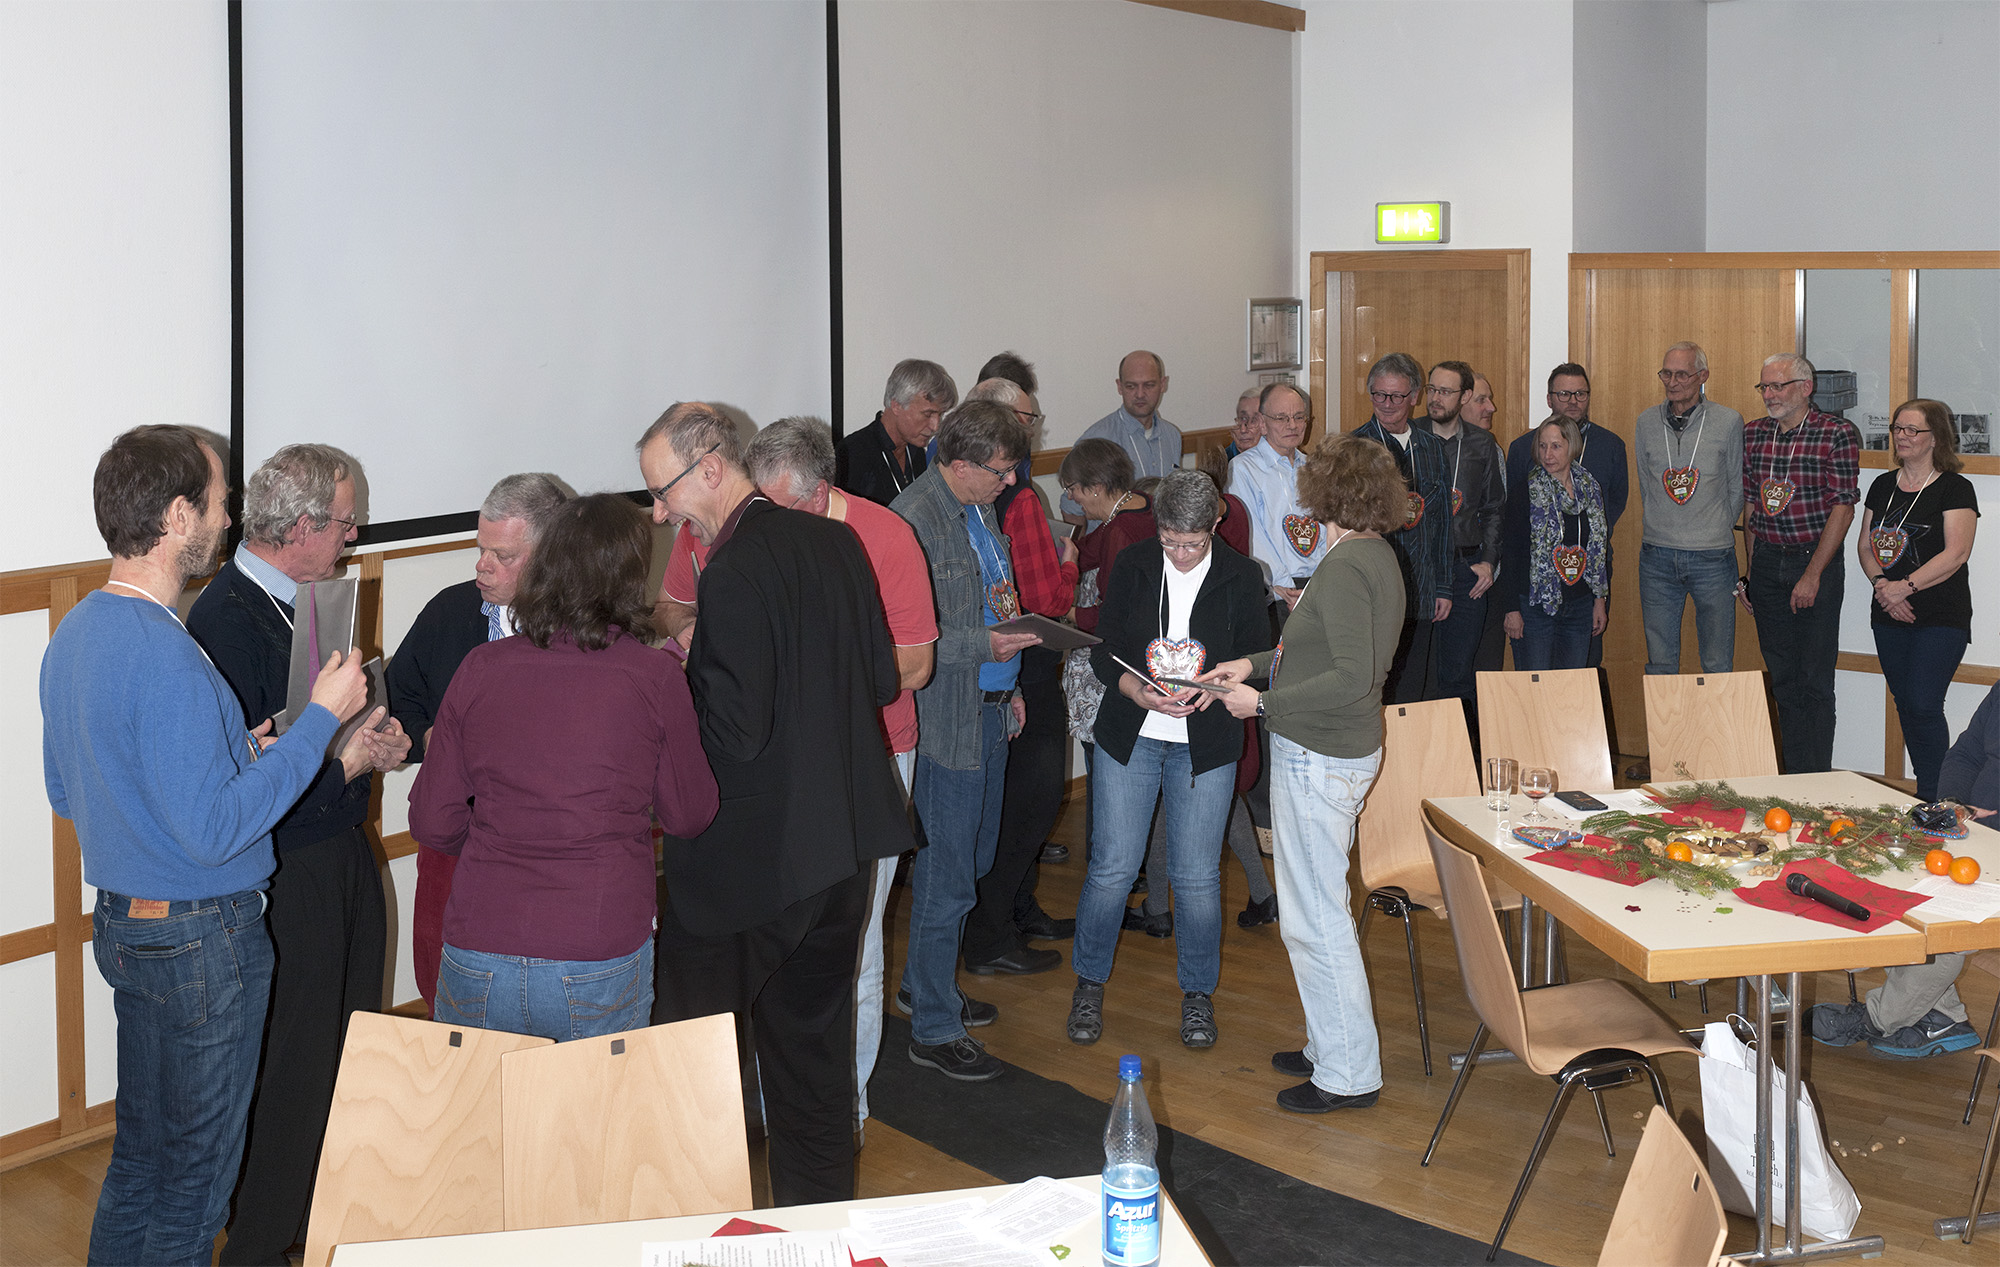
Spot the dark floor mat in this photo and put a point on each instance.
(1022, 1125)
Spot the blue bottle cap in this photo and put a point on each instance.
(1128, 1068)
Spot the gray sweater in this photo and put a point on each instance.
(1708, 520)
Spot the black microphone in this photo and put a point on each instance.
(1798, 884)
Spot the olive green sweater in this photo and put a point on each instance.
(1326, 695)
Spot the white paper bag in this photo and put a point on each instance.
(1828, 1207)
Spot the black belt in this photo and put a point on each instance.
(995, 697)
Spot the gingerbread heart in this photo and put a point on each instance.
(1303, 532)
(1680, 482)
(1457, 500)
(1413, 513)
(1181, 659)
(1888, 544)
(1547, 837)
(1569, 563)
(1776, 495)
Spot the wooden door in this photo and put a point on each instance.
(1625, 311)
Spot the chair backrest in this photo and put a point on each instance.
(1668, 1214)
(641, 1125)
(1717, 725)
(1482, 952)
(413, 1143)
(1547, 717)
(1426, 751)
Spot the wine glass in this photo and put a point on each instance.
(1537, 782)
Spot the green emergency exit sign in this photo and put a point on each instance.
(1413, 222)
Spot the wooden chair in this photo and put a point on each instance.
(1597, 1033)
(1425, 752)
(1668, 1214)
(413, 1141)
(1713, 725)
(1549, 717)
(641, 1125)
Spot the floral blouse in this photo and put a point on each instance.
(1564, 522)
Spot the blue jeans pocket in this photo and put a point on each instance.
(173, 977)
(598, 1000)
(461, 993)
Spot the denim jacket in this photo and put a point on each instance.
(948, 707)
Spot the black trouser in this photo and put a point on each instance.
(1411, 675)
(1033, 798)
(1258, 799)
(329, 929)
(792, 977)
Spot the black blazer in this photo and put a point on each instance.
(790, 666)
(1229, 618)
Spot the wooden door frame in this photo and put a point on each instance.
(1509, 380)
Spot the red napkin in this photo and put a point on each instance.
(1885, 905)
(744, 1227)
(1703, 814)
(1574, 858)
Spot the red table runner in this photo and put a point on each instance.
(1885, 905)
(1578, 857)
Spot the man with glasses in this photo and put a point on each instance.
(1801, 479)
(1248, 428)
(1603, 456)
(1478, 502)
(1423, 544)
(880, 460)
(966, 715)
(792, 661)
(1136, 426)
(328, 918)
(1690, 457)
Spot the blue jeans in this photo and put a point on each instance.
(559, 999)
(1561, 641)
(1314, 802)
(1801, 649)
(1458, 634)
(1917, 664)
(190, 991)
(1197, 812)
(1667, 579)
(960, 810)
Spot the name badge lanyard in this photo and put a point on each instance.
(1680, 481)
(1278, 653)
(255, 752)
(1457, 454)
(1890, 542)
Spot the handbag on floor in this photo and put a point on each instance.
(1828, 1207)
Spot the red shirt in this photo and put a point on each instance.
(1047, 587)
(1811, 469)
(1100, 549)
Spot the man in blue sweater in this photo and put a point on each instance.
(144, 748)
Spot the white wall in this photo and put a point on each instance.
(1468, 101)
(1641, 125)
(114, 242)
(1071, 181)
(1853, 127)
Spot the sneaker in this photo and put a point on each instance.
(1307, 1098)
(1197, 1020)
(1258, 913)
(1086, 1012)
(1293, 1064)
(1934, 1034)
(1841, 1024)
(971, 1012)
(962, 1058)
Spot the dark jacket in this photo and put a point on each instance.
(237, 622)
(791, 663)
(445, 631)
(862, 464)
(1481, 481)
(1229, 620)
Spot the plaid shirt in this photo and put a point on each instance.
(1821, 458)
(1424, 549)
(1047, 588)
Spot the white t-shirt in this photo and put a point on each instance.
(1179, 589)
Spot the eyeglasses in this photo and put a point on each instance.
(1435, 390)
(1678, 376)
(1289, 420)
(350, 523)
(1383, 398)
(1908, 432)
(660, 493)
(1582, 395)
(1768, 388)
(1005, 473)
(1185, 548)
(1028, 419)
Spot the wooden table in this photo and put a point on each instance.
(1676, 936)
(617, 1244)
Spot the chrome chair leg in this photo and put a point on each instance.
(1852, 995)
(1534, 1161)
(1603, 1123)
(1985, 1173)
(1979, 1066)
(1417, 989)
(1457, 1087)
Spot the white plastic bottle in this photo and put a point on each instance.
(1131, 1180)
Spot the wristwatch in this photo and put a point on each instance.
(1260, 703)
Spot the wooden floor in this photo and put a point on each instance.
(1906, 1154)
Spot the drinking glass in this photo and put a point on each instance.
(1537, 782)
(1500, 775)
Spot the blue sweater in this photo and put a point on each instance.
(1971, 771)
(143, 745)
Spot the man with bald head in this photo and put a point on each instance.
(1153, 443)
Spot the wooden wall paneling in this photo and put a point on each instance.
(72, 927)
(1514, 393)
